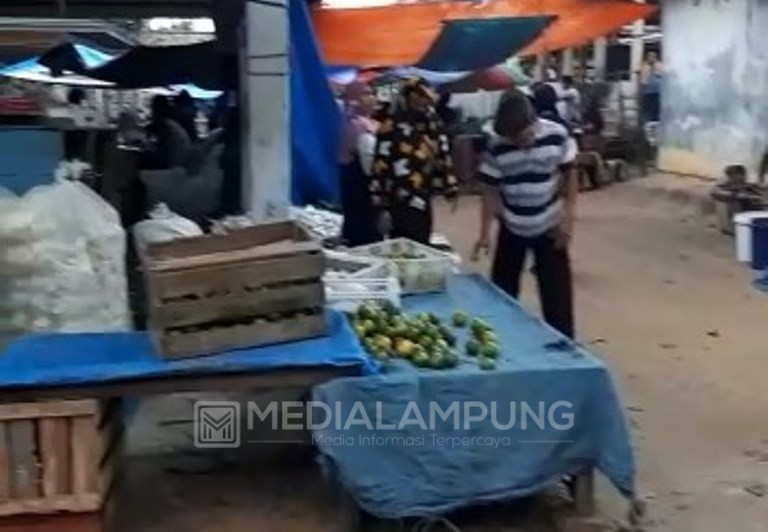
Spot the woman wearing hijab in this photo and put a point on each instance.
(545, 102)
(358, 142)
(412, 163)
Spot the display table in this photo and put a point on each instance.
(42, 376)
(396, 459)
(72, 366)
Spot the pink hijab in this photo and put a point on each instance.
(356, 119)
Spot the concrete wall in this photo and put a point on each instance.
(715, 99)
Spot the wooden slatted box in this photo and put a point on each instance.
(254, 286)
(57, 457)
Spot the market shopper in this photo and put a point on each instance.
(651, 75)
(185, 114)
(545, 100)
(357, 147)
(571, 98)
(158, 133)
(530, 185)
(412, 163)
(591, 145)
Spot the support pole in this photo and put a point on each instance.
(266, 153)
(637, 48)
(568, 62)
(600, 57)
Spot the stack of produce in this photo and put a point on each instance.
(423, 339)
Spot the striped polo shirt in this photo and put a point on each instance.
(529, 177)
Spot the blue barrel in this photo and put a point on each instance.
(760, 244)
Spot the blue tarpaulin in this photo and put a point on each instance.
(315, 117)
(91, 58)
(398, 466)
(476, 44)
(78, 359)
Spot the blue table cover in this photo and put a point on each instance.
(395, 468)
(80, 359)
(761, 283)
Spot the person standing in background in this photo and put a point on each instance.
(358, 144)
(412, 164)
(185, 114)
(531, 186)
(545, 102)
(650, 86)
(571, 99)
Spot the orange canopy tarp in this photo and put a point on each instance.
(401, 34)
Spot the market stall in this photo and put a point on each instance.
(546, 409)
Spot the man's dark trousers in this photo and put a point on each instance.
(553, 272)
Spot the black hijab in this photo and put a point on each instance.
(545, 102)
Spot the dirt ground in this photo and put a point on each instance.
(660, 298)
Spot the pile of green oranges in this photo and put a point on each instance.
(422, 338)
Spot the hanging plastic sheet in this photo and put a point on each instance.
(480, 43)
(401, 34)
(315, 117)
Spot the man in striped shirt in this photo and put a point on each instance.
(531, 187)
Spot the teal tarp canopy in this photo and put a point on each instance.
(481, 43)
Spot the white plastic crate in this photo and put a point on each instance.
(339, 265)
(348, 294)
(419, 268)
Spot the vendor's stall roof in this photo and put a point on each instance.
(401, 34)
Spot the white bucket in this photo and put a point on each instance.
(743, 223)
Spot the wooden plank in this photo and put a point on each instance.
(199, 281)
(54, 456)
(85, 455)
(47, 409)
(269, 251)
(206, 244)
(61, 522)
(88, 502)
(227, 338)
(21, 446)
(5, 487)
(241, 305)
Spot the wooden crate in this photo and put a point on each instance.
(57, 456)
(254, 286)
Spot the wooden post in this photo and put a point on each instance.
(584, 493)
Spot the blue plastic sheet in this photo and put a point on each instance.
(78, 359)
(417, 472)
(315, 117)
(466, 45)
(761, 283)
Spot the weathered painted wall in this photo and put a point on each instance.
(715, 99)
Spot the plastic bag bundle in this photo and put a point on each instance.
(163, 225)
(320, 222)
(62, 262)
